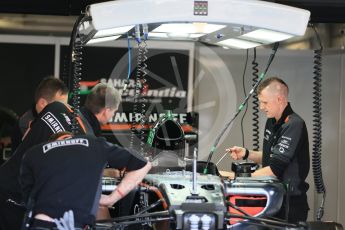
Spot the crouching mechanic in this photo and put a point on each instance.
(65, 174)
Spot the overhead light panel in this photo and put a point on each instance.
(158, 35)
(174, 35)
(238, 43)
(103, 39)
(112, 31)
(266, 36)
(188, 28)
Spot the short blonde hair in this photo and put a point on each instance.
(103, 96)
(270, 81)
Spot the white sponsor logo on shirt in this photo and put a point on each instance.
(67, 142)
(53, 123)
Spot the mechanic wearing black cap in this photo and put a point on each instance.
(55, 117)
(285, 149)
(50, 95)
(65, 174)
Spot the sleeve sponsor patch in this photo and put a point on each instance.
(284, 144)
(66, 142)
(53, 123)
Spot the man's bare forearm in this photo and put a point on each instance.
(129, 182)
(255, 156)
(265, 171)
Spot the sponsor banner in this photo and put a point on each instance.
(166, 86)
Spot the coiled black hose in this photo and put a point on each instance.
(255, 101)
(141, 87)
(317, 127)
(76, 46)
(144, 89)
(137, 91)
(77, 56)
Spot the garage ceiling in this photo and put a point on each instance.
(322, 10)
(57, 17)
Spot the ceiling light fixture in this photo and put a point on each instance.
(264, 22)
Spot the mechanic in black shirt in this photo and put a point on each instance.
(66, 174)
(285, 148)
(50, 89)
(96, 112)
(54, 118)
(95, 109)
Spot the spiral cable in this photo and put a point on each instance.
(137, 90)
(255, 101)
(317, 123)
(143, 101)
(76, 47)
(317, 129)
(77, 56)
(141, 88)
